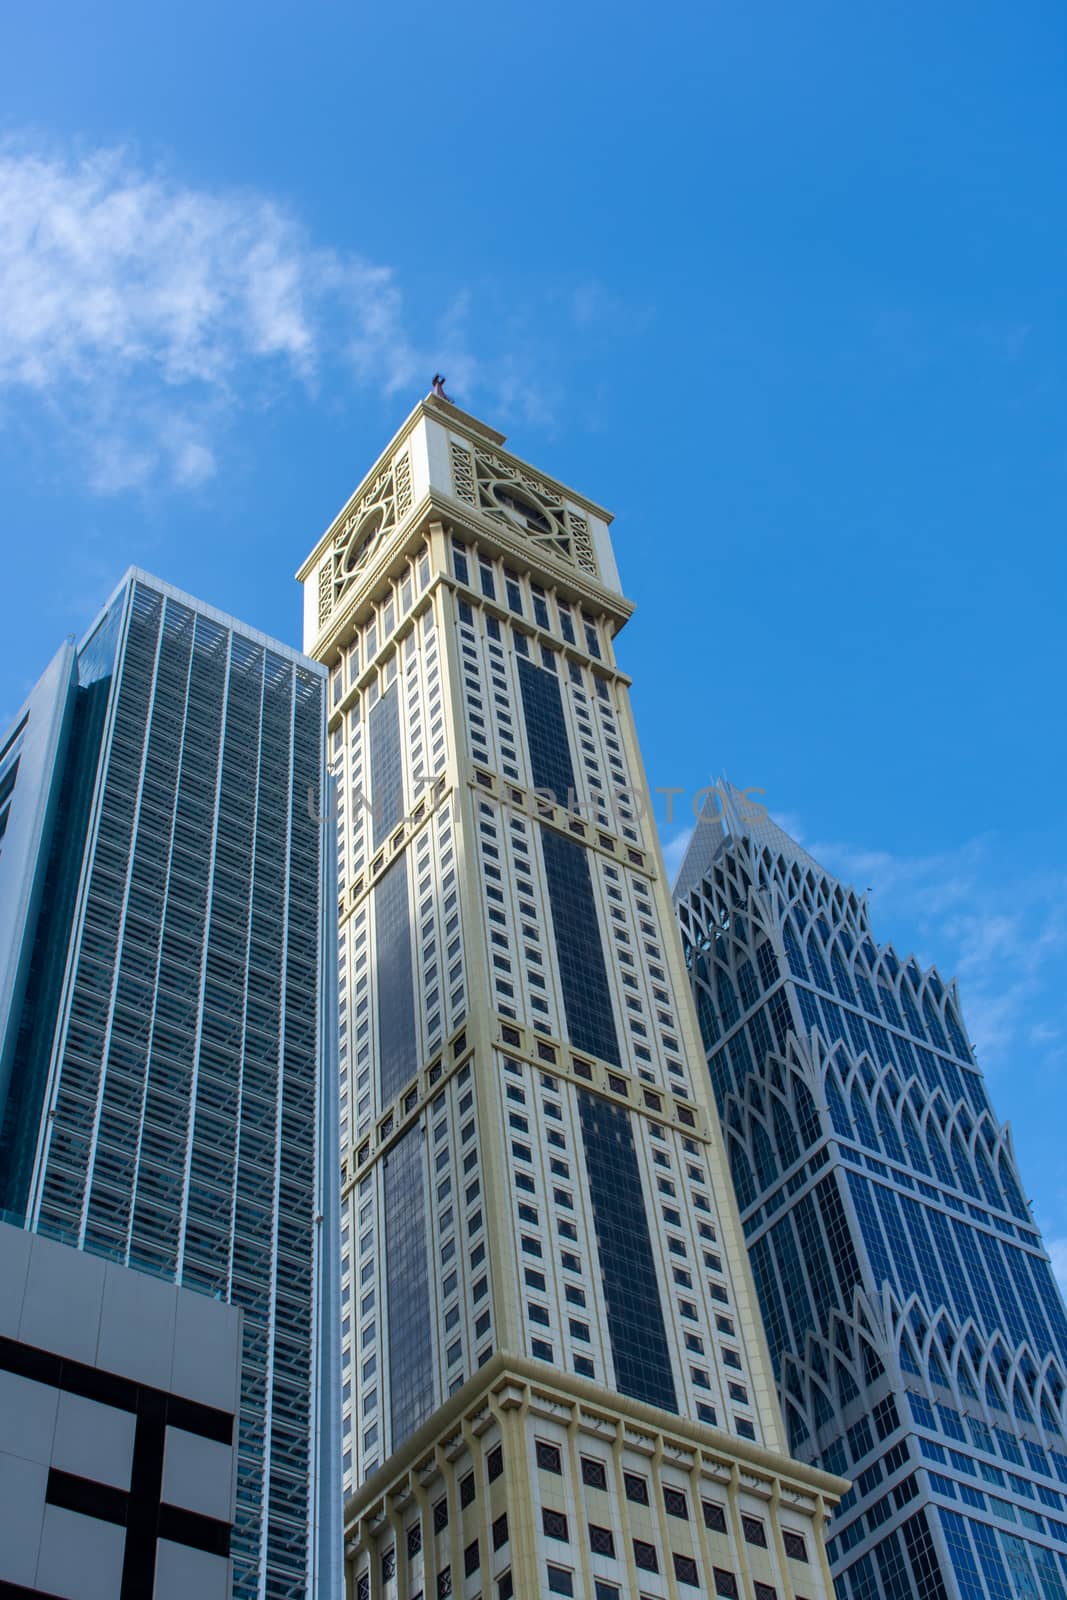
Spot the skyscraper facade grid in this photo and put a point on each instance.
(917, 1334)
(554, 1375)
(169, 1021)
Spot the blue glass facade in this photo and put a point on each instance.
(175, 1024)
(917, 1334)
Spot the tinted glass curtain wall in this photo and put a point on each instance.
(184, 1046)
(917, 1333)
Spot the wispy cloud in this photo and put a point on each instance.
(1003, 936)
(1057, 1249)
(674, 849)
(138, 309)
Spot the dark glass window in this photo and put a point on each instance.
(601, 1540)
(410, 1341)
(685, 1570)
(579, 948)
(593, 1473)
(546, 732)
(548, 1457)
(753, 1530)
(714, 1516)
(554, 1524)
(397, 1058)
(560, 1581)
(675, 1503)
(636, 1488)
(725, 1584)
(386, 771)
(631, 1290)
(645, 1556)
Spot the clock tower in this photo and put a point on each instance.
(555, 1377)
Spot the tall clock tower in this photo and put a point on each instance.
(555, 1378)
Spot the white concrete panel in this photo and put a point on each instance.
(64, 1291)
(94, 1441)
(198, 1474)
(182, 1573)
(81, 1557)
(15, 1246)
(27, 1418)
(137, 1326)
(207, 1351)
(22, 1489)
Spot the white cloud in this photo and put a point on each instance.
(1057, 1249)
(134, 308)
(1002, 936)
(673, 851)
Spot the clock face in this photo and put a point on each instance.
(520, 509)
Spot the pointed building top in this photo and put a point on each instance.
(732, 813)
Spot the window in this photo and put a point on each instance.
(645, 1556)
(766, 1591)
(500, 1532)
(794, 1544)
(494, 1463)
(414, 1539)
(675, 1504)
(636, 1488)
(440, 1515)
(685, 1570)
(549, 1458)
(554, 1524)
(593, 1473)
(466, 1490)
(601, 1540)
(560, 1581)
(604, 1591)
(471, 1561)
(714, 1516)
(753, 1531)
(725, 1584)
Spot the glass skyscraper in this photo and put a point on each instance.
(916, 1332)
(554, 1375)
(166, 960)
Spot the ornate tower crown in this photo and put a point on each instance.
(443, 461)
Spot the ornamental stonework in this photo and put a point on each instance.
(381, 507)
(497, 488)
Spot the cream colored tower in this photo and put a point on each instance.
(555, 1377)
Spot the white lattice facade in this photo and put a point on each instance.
(540, 1241)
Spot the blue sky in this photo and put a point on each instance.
(782, 285)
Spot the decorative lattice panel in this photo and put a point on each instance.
(499, 489)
